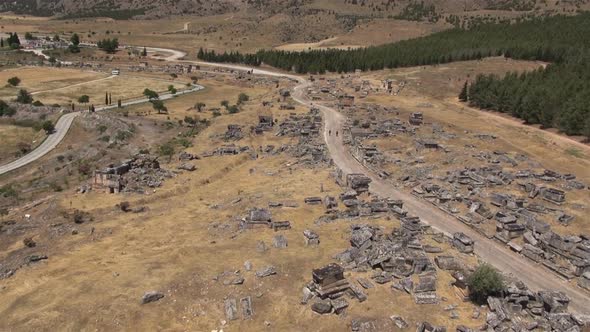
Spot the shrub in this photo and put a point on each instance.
(6, 110)
(24, 97)
(48, 127)
(14, 81)
(484, 282)
(233, 109)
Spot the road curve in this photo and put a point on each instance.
(63, 126)
(61, 129)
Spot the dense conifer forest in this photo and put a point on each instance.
(557, 96)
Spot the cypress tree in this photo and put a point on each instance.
(106, 98)
(463, 96)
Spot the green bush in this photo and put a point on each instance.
(484, 282)
(14, 81)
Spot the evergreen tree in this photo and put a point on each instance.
(75, 43)
(463, 96)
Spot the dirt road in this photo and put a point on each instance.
(533, 275)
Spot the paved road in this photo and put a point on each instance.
(61, 129)
(534, 275)
(63, 126)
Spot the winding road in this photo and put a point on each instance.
(535, 276)
(63, 126)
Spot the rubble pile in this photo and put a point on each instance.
(516, 218)
(328, 288)
(233, 133)
(132, 175)
(263, 218)
(520, 309)
(227, 150)
(310, 148)
(295, 125)
(393, 257)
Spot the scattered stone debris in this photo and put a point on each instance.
(311, 238)
(280, 241)
(29, 242)
(416, 119)
(233, 133)
(427, 327)
(463, 243)
(399, 322)
(151, 296)
(266, 271)
(35, 258)
(187, 167)
(185, 156)
(131, 175)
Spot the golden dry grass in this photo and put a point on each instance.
(35, 79)
(64, 86)
(12, 136)
(94, 280)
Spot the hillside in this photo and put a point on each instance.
(429, 10)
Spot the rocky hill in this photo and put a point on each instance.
(403, 9)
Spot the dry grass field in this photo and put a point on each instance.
(95, 279)
(120, 87)
(38, 79)
(64, 86)
(189, 234)
(14, 137)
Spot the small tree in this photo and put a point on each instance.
(6, 110)
(144, 52)
(158, 105)
(166, 150)
(200, 106)
(75, 46)
(225, 103)
(150, 94)
(485, 281)
(56, 38)
(14, 81)
(52, 60)
(13, 40)
(242, 98)
(24, 97)
(233, 109)
(172, 89)
(48, 127)
(108, 45)
(463, 96)
(84, 99)
(29, 36)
